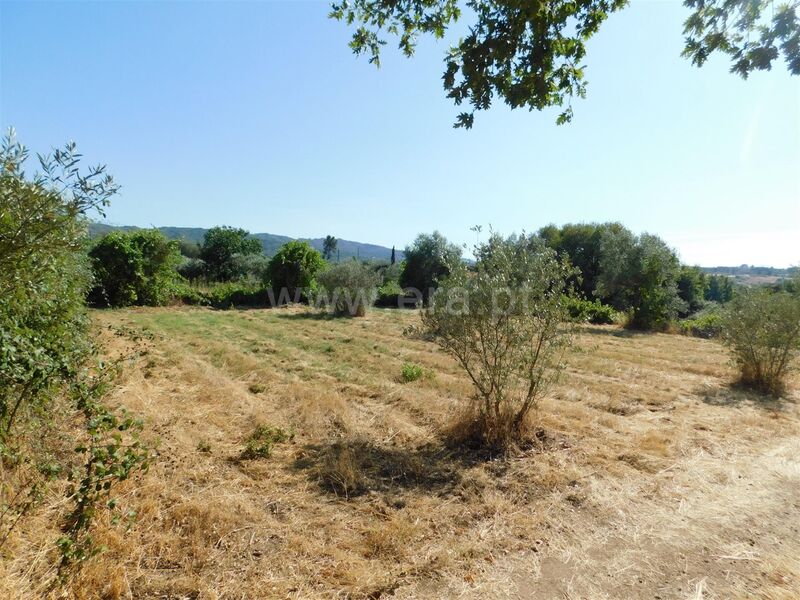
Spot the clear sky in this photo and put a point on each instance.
(256, 114)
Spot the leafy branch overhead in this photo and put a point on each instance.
(530, 52)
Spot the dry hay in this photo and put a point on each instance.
(652, 478)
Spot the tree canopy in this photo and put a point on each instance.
(427, 260)
(220, 249)
(530, 53)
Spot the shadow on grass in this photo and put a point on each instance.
(310, 315)
(738, 395)
(356, 467)
(613, 331)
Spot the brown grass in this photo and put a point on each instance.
(651, 476)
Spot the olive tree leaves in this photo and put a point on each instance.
(530, 53)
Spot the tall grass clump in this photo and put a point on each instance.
(504, 324)
(762, 329)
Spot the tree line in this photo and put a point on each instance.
(639, 276)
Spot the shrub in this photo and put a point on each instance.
(504, 325)
(230, 295)
(585, 311)
(762, 328)
(348, 288)
(410, 372)
(134, 268)
(292, 271)
(261, 441)
(45, 349)
(705, 324)
(44, 277)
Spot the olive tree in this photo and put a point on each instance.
(762, 329)
(503, 321)
(349, 288)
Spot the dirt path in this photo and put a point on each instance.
(728, 528)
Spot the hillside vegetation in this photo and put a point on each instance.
(299, 458)
(270, 242)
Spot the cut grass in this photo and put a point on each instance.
(648, 468)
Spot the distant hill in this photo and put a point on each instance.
(750, 270)
(269, 241)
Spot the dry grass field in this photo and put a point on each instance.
(652, 477)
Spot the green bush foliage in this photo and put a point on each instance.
(705, 324)
(261, 441)
(45, 348)
(348, 288)
(762, 329)
(137, 268)
(390, 295)
(411, 372)
(586, 311)
(292, 271)
(44, 276)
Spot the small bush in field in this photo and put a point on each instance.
(594, 312)
(256, 388)
(411, 372)
(504, 324)
(762, 328)
(261, 441)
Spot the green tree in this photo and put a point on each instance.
(692, 288)
(134, 268)
(393, 259)
(719, 289)
(580, 243)
(221, 246)
(329, 245)
(292, 271)
(531, 53)
(640, 274)
(427, 260)
(504, 324)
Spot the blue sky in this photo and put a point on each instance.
(256, 114)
